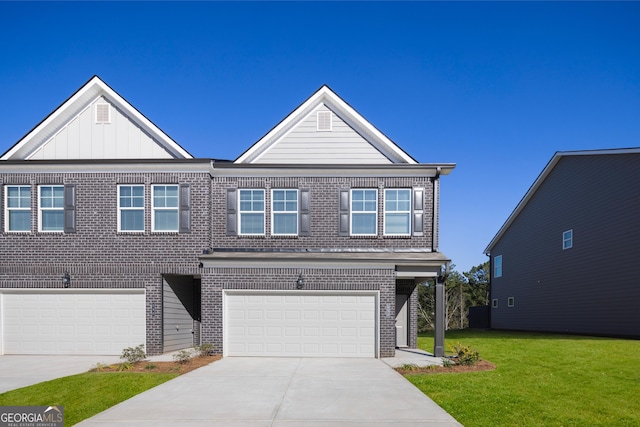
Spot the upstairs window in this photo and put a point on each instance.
(284, 212)
(17, 208)
(397, 212)
(131, 208)
(567, 239)
(251, 210)
(497, 266)
(165, 208)
(51, 208)
(364, 212)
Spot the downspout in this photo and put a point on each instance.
(434, 213)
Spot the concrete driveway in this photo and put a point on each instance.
(281, 392)
(23, 370)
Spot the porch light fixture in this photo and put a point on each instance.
(300, 282)
(66, 279)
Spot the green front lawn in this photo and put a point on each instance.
(540, 380)
(85, 395)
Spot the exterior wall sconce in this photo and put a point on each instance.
(300, 282)
(66, 279)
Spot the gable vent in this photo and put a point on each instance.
(103, 113)
(324, 120)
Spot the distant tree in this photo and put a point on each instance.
(478, 281)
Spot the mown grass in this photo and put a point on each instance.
(85, 395)
(540, 380)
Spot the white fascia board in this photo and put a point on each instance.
(541, 178)
(326, 96)
(38, 166)
(330, 170)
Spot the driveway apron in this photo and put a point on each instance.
(281, 392)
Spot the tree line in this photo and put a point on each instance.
(462, 290)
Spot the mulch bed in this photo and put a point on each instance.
(154, 367)
(481, 365)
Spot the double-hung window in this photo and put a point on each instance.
(251, 210)
(364, 212)
(284, 212)
(165, 208)
(131, 208)
(51, 208)
(567, 239)
(397, 212)
(497, 266)
(17, 208)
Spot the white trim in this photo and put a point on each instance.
(263, 211)
(40, 209)
(384, 212)
(7, 209)
(351, 212)
(120, 208)
(154, 208)
(274, 212)
(225, 323)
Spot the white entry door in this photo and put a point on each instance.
(300, 323)
(63, 321)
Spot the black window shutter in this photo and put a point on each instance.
(343, 226)
(305, 213)
(232, 211)
(70, 208)
(184, 214)
(418, 212)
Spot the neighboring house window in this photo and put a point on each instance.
(251, 212)
(494, 303)
(131, 208)
(17, 208)
(497, 266)
(364, 212)
(51, 208)
(284, 212)
(511, 302)
(567, 239)
(397, 212)
(165, 208)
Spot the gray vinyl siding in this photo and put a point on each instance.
(592, 288)
(305, 144)
(83, 138)
(177, 322)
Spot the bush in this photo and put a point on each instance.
(205, 349)
(183, 356)
(465, 354)
(134, 354)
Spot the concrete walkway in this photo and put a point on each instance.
(281, 392)
(412, 356)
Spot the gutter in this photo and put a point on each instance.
(435, 207)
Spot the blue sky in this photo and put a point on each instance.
(495, 87)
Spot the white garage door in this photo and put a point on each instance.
(72, 321)
(300, 324)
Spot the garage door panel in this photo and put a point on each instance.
(68, 322)
(300, 324)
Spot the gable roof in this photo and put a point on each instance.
(325, 96)
(74, 105)
(542, 177)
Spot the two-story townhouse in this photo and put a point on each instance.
(311, 243)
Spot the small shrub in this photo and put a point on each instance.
(409, 367)
(183, 356)
(466, 355)
(100, 367)
(134, 354)
(150, 366)
(125, 366)
(447, 363)
(205, 349)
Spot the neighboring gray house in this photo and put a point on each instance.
(311, 243)
(566, 259)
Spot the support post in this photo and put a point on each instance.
(438, 327)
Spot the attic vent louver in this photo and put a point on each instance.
(324, 121)
(103, 113)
